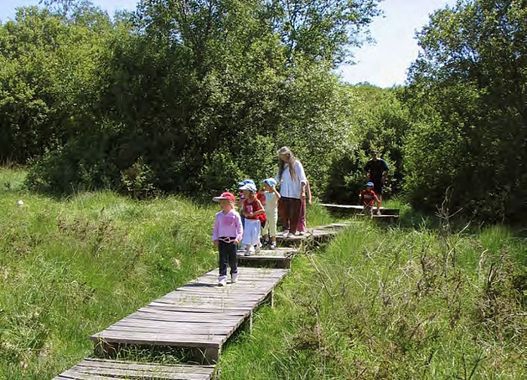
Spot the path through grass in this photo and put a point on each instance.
(72, 267)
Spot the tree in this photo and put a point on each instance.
(469, 103)
(47, 78)
(203, 84)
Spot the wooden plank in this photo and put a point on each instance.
(131, 374)
(192, 311)
(171, 320)
(152, 314)
(149, 371)
(180, 329)
(358, 208)
(267, 258)
(160, 339)
(75, 375)
(207, 369)
(103, 369)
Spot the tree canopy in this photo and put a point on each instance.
(191, 96)
(468, 94)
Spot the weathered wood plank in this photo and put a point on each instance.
(103, 369)
(160, 339)
(358, 208)
(104, 363)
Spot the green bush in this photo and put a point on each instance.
(82, 164)
(470, 135)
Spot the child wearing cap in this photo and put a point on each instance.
(226, 234)
(254, 214)
(242, 197)
(367, 198)
(271, 211)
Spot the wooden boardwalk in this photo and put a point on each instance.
(274, 258)
(102, 369)
(358, 209)
(199, 316)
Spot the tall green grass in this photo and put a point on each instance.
(378, 302)
(70, 268)
(387, 303)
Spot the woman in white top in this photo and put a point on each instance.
(292, 180)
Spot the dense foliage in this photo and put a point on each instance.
(468, 96)
(48, 64)
(377, 121)
(192, 96)
(181, 96)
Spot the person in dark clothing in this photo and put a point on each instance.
(377, 169)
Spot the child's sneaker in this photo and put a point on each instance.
(272, 246)
(222, 281)
(249, 250)
(234, 278)
(285, 233)
(258, 248)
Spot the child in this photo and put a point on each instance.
(368, 198)
(261, 195)
(242, 197)
(301, 229)
(226, 234)
(271, 211)
(254, 217)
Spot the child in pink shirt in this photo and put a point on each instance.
(226, 234)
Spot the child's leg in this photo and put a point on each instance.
(265, 232)
(251, 234)
(223, 260)
(232, 258)
(271, 222)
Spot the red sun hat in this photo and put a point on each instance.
(225, 196)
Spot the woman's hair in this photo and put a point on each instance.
(291, 161)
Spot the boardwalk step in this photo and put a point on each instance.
(112, 369)
(275, 258)
(315, 235)
(200, 315)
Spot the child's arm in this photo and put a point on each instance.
(215, 231)
(259, 212)
(239, 229)
(276, 192)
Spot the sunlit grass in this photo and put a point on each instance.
(70, 268)
(381, 301)
(388, 303)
